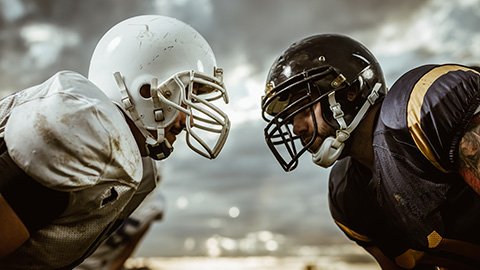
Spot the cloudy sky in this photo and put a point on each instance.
(242, 203)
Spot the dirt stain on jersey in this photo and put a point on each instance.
(45, 131)
(116, 145)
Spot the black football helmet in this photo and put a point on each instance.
(335, 70)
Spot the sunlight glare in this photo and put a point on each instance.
(233, 212)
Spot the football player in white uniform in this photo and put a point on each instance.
(71, 148)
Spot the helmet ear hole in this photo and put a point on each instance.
(145, 91)
(352, 92)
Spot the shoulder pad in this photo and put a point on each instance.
(67, 134)
(434, 104)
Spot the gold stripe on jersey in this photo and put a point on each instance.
(434, 239)
(414, 108)
(353, 233)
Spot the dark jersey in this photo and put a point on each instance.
(414, 197)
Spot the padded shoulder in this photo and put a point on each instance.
(67, 134)
(433, 104)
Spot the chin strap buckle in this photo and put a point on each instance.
(159, 149)
(374, 94)
(342, 135)
(337, 111)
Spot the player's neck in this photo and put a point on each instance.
(362, 140)
(137, 135)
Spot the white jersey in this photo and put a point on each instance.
(116, 249)
(67, 135)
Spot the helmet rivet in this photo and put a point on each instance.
(269, 88)
(321, 58)
(218, 71)
(338, 81)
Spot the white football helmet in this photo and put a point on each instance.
(177, 68)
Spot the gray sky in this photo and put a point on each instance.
(278, 213)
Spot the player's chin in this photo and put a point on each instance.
(315, 146)
(313, 149)
(171, 139)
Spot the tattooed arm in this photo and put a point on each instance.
(469, 151)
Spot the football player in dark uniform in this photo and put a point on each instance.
(406, 184)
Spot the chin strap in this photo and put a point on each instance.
(157, 149)
(331, 147)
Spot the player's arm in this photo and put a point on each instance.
(127, 251)
(382, 260)
(13, 232)
(423, 262)
(469, 155)
(366, 243)
(25, 205)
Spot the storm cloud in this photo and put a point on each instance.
(242, 202)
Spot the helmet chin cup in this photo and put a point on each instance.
(328, 153)
(159, 150)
